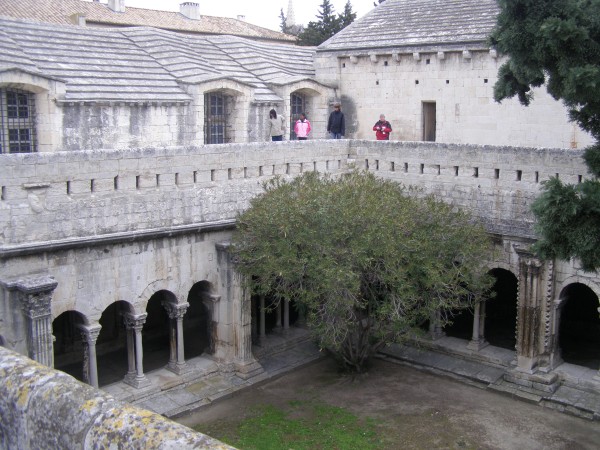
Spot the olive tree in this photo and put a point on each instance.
(367, 259)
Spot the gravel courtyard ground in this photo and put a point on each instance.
(412, 409)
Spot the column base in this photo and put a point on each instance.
(477, 345)
(136, 382)
(249, 369)
(178, 369)
(544, 382)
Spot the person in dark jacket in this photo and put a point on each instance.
(336, 125)
(382, 129)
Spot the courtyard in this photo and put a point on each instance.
(404, 408)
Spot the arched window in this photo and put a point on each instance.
(216, 113)
(298, 106)
(17, 112)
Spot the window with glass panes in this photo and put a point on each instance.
(298, 106)
(215, 118)
(17, 131)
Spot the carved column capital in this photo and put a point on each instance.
(175, 310)
(90, 333)
(134, 321)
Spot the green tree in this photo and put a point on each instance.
(363, 257)
(328, 24)
(347, 17)
(557, 43)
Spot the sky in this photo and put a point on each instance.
(264, 13)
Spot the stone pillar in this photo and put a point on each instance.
(212, 303)
(35, 297)
(89, 334)
(435, 327)
(529, 311)
(263, 315)
(134, 325)
(278, 316)
(176, 312)
(238, 297)
(286, 315)
(478, 340)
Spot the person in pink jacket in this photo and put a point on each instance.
(382, 129)
(302, 128)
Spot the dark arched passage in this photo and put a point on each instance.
(111, 346)
(579, 330)
(68, 343)
(501, 310)
(156, 331)
(197, 322)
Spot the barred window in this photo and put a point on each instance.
(215, 118)
(17, 130)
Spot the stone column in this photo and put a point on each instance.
(263, 315)
(529, 311)
(435, 328)
(286, 315)
(35, 296)
(278, 316)
(89, 334)
(212, 303)
(238, 297)
(478, 340)
(134, 325)
(176, 312)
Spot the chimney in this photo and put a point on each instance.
(241, 17)
(190, 10)
(117, 5)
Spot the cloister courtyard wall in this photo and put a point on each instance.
(125, 233)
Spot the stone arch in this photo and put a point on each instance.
(156, 330)
(316, 104)
(501, 311)
(68, 343)
(200, 321)
(232, 118)
(111, 345)
(304, 100)
(579, 325)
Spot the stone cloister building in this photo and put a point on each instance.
(116, 212)
(111, 252)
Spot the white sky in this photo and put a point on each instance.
(259, 12)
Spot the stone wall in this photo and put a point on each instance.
(460, 83)
(70, 195)
(41, 408)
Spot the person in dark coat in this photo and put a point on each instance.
(336, 125)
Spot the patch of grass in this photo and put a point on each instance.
(302, 426)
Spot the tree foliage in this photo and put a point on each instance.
(364, 257)
(557, 43)
(328, 24)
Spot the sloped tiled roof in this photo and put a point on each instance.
(140, 64)
(60, 12)
(418, 25)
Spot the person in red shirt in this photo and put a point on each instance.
(382, 129)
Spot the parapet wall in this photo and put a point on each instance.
(41, 408)
(70, 195)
